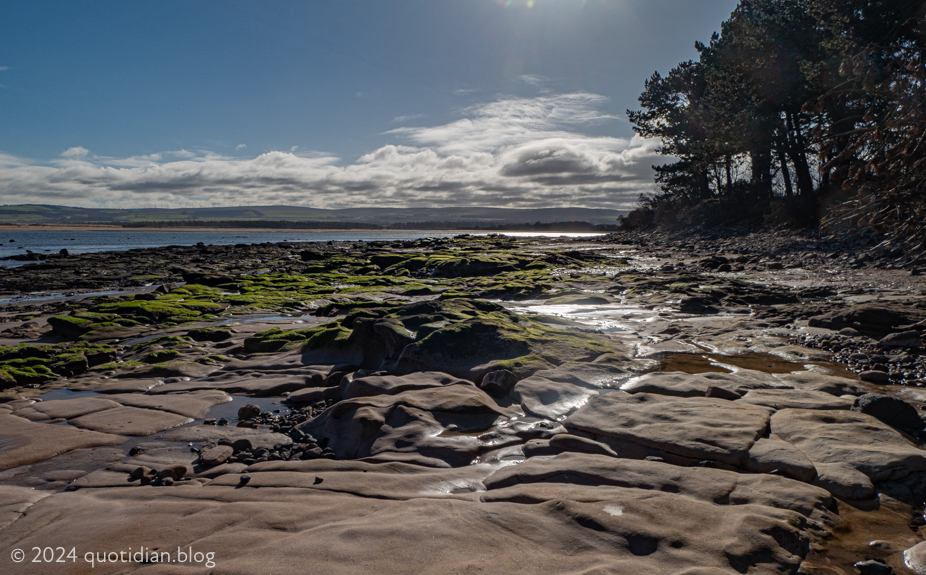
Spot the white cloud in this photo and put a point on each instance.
(408, 117)
(2, 68)
(241, 146)
(75, 152)
(532, 79)
(515, 152)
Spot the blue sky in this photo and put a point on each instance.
(334, 103)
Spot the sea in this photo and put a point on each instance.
(13, 242)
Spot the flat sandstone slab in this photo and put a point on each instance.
(130, 421)
(694, 427)
(23, 442)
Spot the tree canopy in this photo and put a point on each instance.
(815, 104)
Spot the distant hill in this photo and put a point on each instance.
(43, 214)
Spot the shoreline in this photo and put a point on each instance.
(115, 228)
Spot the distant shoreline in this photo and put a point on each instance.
(194, 230)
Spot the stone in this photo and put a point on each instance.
(705, 484)
(410, 424)
(875, 376)
(843, 481)
(391, 384)
(216, 455)
(680, 384)
(795, 398)
(619, 529)
(873, 567)
(891, 410)
(195, 404)
(770, 454)
(915, 558)
(697, 428)
(130, 421)
(175, 472)
(854, 439)
(249, 411)
(813, 381)
(23, 442)
(544, 398)
(244, 479)
(903, 339)
(70, 408)
(575, 443)
(498, 382)
(139, 472)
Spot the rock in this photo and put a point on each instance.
(167, 481)
(891, 410)
(410, 424)
(130, 421)
(498, 382)
(574, 443)
(873, 567)
(700, 305)
(850, 331)
(876, 318)
(705, 484)
(240, 445)
(244, 479)
(854, 439)
(216, 455)
(843, 481)
(175, 472)
(902, 339)
(680, 384)
(769, 454)
(915, 558)
(875, 376)
(547, 399)
(70, 408)
(195, 404)
(812, 381)
(139, 472)
(390, 384)
(249, 411)
(696, 428)
(24, 442)
(795, 398)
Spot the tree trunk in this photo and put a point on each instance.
(798, 148)
(761, 158)
(785, 173)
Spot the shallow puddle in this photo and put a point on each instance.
(887, 525)
(764, 362)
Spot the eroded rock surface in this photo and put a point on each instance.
(476, 404)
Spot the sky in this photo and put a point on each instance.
(335, 103)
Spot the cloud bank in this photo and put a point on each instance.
(511, 152)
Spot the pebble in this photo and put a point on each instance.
(244, 479)
(139, 472)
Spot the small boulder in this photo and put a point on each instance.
(903, 339)
(216, 455)
(139, 472)
(843, 481)
(249, 411)
(891, 410)
(174, 472)
(915, 558)
(875, 376)
(498, 382)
